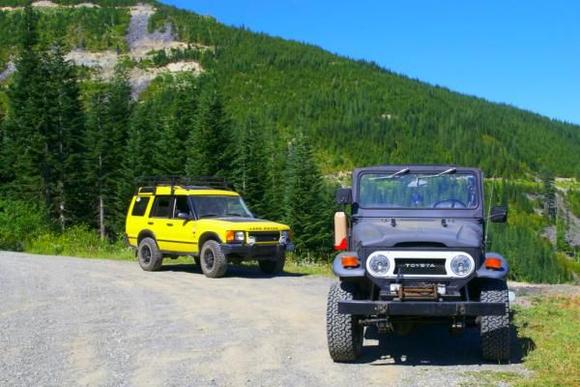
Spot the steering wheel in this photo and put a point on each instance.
(449, 203)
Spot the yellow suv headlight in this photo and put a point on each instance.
(235, 236)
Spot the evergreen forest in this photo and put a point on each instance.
(283, 121)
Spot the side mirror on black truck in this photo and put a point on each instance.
(344, 196)
(498, 214)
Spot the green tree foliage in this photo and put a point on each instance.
(356, 113)
(250, 174)
(43, 128)
(270, 115)
(531, 257)
(20, 221)
(91, 29)
(307, 210)
(209, 151)
(108, 116)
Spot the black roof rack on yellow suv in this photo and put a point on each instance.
(149, 184)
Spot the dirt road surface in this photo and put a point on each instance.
(70, 321)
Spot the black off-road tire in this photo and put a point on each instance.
(343, 331)
(495, 330)
(150, 258)
(214, 263)
(273, 266)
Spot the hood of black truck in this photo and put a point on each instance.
(417, 232)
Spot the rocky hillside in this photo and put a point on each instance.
(354, 112)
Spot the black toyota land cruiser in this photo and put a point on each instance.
(413, 251)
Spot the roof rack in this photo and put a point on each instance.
(149, 184)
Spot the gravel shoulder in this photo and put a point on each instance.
(71, 321)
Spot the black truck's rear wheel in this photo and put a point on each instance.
(150, 258)
(273, 266)
(495, 330)
(213, 261)
(343, 331)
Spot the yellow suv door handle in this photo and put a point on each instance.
(150, 223)
(170, 224)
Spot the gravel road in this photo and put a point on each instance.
(70, 321)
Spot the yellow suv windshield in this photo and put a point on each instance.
(215, 206)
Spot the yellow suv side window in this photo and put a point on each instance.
(162, 207)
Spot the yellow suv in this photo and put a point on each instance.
(212, 225)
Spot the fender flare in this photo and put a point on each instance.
(501, 274)
(145, 234)
(341, 272)
(207, 236)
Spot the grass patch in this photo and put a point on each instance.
(552, 324)
(295, 266)
(78, 241)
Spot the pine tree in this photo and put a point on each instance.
(63, 129)
(251, 168)
(209, 151)
(550, 203)
(307, 205)
(105, 138)
(23, 143)
(140, 149)
(177, 123)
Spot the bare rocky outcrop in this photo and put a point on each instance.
(141, 44)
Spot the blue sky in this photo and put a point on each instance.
(524, 53)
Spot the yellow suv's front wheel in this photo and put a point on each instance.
(214, 263)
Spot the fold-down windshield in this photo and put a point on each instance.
(449, 190)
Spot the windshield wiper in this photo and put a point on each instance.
(401, 172)
(445, 172)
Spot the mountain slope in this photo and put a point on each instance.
(354, 112)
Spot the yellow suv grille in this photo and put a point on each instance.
(265, 236)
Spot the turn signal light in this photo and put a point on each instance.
(350, 262)
(493, 263)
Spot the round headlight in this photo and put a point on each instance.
(378, 265)
(462, 265)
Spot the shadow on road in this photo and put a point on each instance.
(242, 271)
(433, 345)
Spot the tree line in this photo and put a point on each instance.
(79, 149)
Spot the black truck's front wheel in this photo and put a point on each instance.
(273, 266)
(343, 331)
(495, 330)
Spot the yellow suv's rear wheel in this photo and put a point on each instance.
(150, 258)
(213, 261)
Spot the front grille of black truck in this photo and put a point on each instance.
(265, 236)
(415, 266)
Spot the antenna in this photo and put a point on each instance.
(489, 209)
